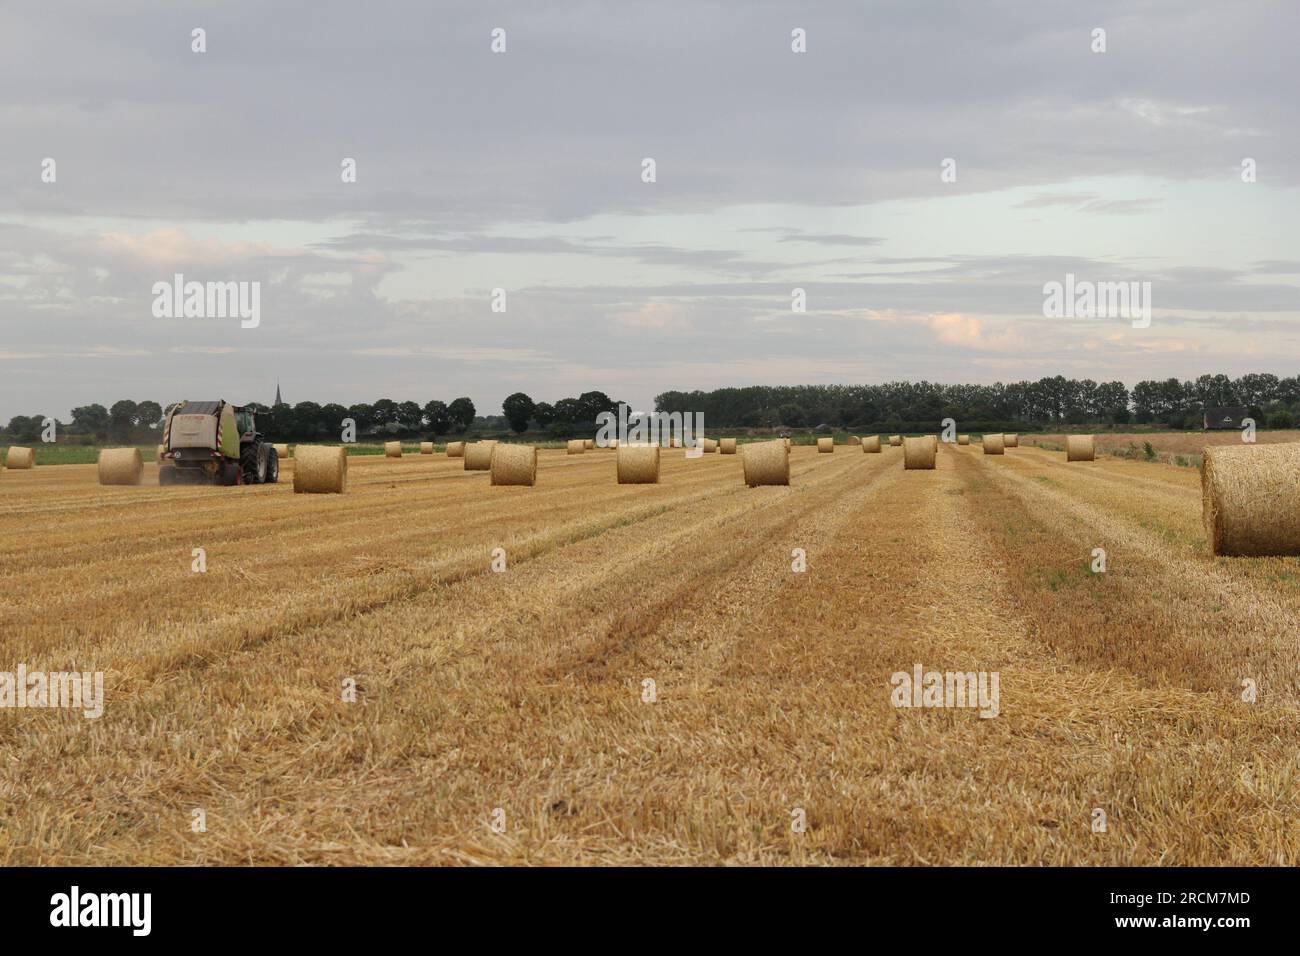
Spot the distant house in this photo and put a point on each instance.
(1230, 416)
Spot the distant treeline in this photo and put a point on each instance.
(897, 406)
(909, 406)
(128, 421)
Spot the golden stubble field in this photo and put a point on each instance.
(523, 690)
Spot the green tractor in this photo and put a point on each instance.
(215, 443)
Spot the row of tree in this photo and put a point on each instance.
(129, 422)
(1273, 401)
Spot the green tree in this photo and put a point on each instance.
(24, 427)
(121, 420)
(410, 416)
(148, 416)
(543, 414)
(519, 409)
(437, 418)
(462, 413)
(385, 413)
(91, 420)
(331, 418)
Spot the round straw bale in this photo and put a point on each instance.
(392, 449)
(766, 463)
(320, 469)
(589, 443)
(478, 455)
(282, 452)
(871, 445)
(896, 439)
(963, 439)
(514, 465)
(426, 448)
(854, 440)
(455, 449)
(1080, 448)
(919, 453)
(993, 445)
(1250, 497)
(120, 466)
(825, 446)
(1011, 441)
(638, 465)
(577, 446)
(20, 458)
(710, 445)
(727, 446)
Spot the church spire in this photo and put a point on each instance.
(278, 399)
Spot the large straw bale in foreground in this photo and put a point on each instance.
(727, 446)
(478, 455)
(120, 466)
(320, 469)
(1250, 498)
(919, 453)
(455, 449)
(825, 446)
(20, 458)
(576, 446)
(871, 445)
(1080, 448)
(963, 439)
(392, 449)
(766, 463)
(993, 445)
(896, 439)
(514, 465)
(1011, 441)
(638, 465)
(426, 448)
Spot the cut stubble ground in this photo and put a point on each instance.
(523, 690)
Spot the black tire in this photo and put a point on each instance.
(167, 474)
(272, 465)
(252, 462)
(229, 473)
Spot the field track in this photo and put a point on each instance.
(522, 690)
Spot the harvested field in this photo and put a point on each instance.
(524, 690)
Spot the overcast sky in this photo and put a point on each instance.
(522, 170)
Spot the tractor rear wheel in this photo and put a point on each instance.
(272, 465)
(252, 462)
